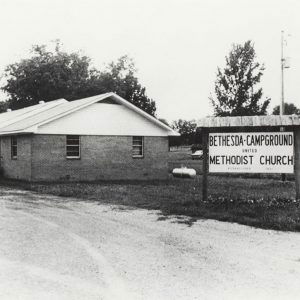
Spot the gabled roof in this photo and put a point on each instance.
(27, 120)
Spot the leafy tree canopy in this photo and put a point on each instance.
(49, 75)
(289, 109)
(235, 87)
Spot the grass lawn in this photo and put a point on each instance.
(264, 203)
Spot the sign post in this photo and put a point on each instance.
(297, 162)
(205, 164)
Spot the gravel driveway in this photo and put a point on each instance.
(61, 248)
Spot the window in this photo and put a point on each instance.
(73, 146)
(14, 147)
(137, 146)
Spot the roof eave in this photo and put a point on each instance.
(174, 133)
(17, 132)
(29, 130)
(126, 103)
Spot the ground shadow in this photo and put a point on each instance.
(189, 221)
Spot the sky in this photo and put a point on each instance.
(177, 45)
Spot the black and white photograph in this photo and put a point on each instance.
(150, 150)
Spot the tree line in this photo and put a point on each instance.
(51, 74)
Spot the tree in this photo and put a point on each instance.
(49, 75)
(119, 77)
(235, 87)
(289, 109)
(187, 130)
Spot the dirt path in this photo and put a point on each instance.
(58, 248)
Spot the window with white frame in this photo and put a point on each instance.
(14, 147)
(73, 146)
(137, 146)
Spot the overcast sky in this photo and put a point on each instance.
(177, 45)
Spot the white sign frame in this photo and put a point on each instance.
(251, 152)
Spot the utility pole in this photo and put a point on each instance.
(282, 75)
(283, 176)
(284, 64)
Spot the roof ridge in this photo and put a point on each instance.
(71, 110)
(19, 118)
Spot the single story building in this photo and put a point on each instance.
(97, 138)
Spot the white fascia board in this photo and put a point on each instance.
(171, 132)
(4, 133)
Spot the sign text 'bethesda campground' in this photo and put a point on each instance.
(251, 152)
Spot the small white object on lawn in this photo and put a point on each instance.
(184, 172)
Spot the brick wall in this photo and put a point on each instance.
(102, 158)
(19, 168)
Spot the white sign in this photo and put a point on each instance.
(251, 152)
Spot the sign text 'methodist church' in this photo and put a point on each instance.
(253, 152)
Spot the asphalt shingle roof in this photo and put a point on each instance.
(27, 120)
(23, 120)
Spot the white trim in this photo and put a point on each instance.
(144, 114)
